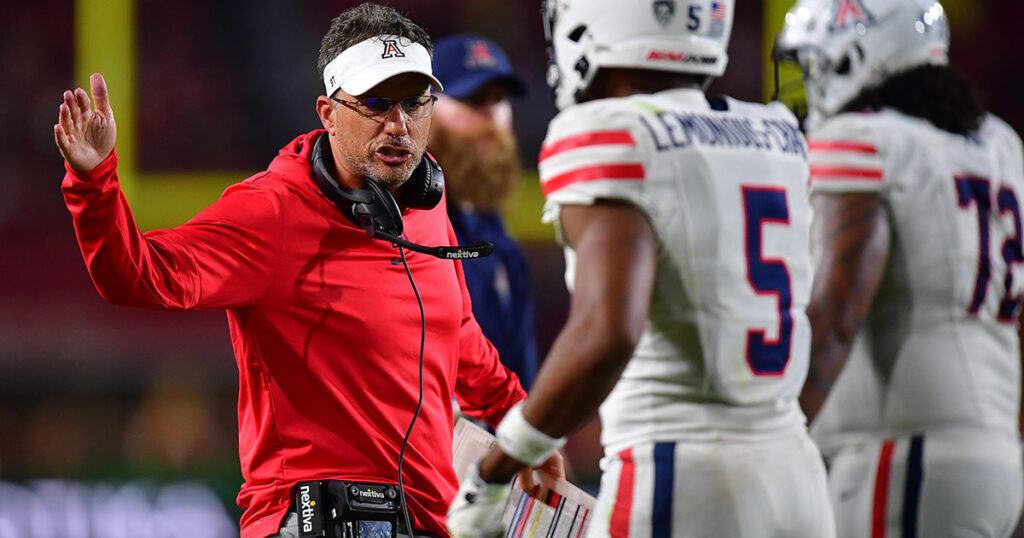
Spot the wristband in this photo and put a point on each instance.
(520, 440)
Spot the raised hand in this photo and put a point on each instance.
(85, 136)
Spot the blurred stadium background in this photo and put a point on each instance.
(126, 418)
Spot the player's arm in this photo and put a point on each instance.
(616, 258)
(850, 240)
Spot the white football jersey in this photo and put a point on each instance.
(725, 190)
(939, 346)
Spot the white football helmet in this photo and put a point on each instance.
(665, 35)
(845, 46)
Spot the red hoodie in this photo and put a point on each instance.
(324, 325)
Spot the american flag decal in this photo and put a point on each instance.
(718, 16)
(718, 11)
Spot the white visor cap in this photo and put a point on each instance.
(368, 63)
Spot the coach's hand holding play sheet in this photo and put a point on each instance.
(86, 136)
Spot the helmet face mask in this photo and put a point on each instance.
(662, 35)
(846, 46)
(568, 80)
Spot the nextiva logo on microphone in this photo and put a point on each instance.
(461, 254)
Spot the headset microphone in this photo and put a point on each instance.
(458, 252)
(376, 211)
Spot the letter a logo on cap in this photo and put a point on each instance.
(479, 56)
(391, 50)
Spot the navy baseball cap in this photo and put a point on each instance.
(464, 63)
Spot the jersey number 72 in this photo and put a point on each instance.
(976, 191)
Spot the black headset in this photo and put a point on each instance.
(376, 211)
(373, 207)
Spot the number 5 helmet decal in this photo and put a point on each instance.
(664, 35)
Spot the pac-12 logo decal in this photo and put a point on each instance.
(391, 50)
(848, 13)
(664, 11)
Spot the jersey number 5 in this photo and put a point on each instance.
(977, 191)
(767, 276)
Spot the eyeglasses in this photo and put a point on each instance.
(416, 107)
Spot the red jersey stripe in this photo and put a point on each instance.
(627, 171)
(842, 145)
(834, 172)
(619, 527)
(881, 499)
(596, 138)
